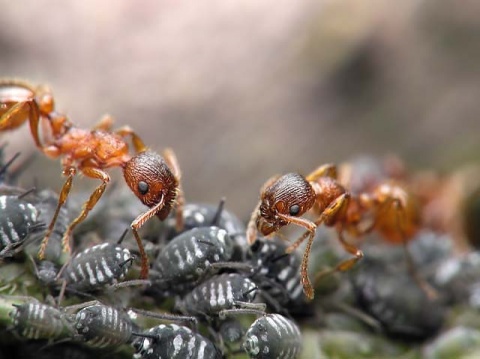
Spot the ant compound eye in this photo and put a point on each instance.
(143, 187)
(294, 210)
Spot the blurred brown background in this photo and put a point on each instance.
(246, 89)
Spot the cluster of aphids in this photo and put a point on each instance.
(71, 283)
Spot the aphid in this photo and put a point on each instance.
(18, 220)
(388, 208)
(206, 215)
(36, 320)
(393, 299)
(153, 179)
(174, 342)
(231, 331)
(188, 257)
(273, 336)
(220, 294)
(97, 266)
(277, 273)
(104, 326)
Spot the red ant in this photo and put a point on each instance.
(153, 179)
(284, 199)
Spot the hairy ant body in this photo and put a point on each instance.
(154, 179)
(392, 211)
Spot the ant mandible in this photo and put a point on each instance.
(154, 179)
(284, 199)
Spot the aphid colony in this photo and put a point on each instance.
(224, 289)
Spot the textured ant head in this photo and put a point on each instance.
(149, 177)
(291, 195)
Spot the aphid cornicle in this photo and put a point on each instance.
(174, 342)
(104, 326)
(273, 337)
(35, 320)
(187, 257)
(224, 292)
(154, 179)
(97, 266)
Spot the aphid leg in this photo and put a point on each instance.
(137, 142)
(172, 163)
(87, 206)
(136, 225)
(328, 170)
(70, 172)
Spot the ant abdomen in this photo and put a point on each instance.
(149, 177)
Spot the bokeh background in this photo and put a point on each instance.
(246, 89)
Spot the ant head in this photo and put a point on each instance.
(289, 196)
(149, 177)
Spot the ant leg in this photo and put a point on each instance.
(87, 206)
(136, 225)
(252, 224)
(307, 285)
(172, 163)
(137, 142)
(344, 265)
(15, 116)
(328, 170)
(105, 124)
(430, 292)
(71, 171)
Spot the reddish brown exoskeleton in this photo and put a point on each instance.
(284, 199)
(154, 179)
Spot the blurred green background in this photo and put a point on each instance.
(246, 89)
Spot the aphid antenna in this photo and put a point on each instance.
(257, 309)
(218, 213)
(5, 167)
(193, 321)
(131, 283)
(27, 192)
(124, 234)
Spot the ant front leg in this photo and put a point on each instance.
(136, 225)
(87, 206)
(252, 223)
(70, 172)
(172, 163)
